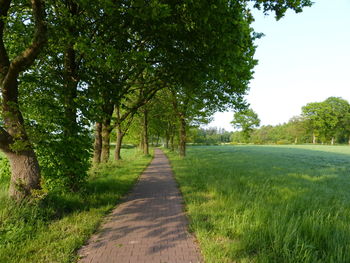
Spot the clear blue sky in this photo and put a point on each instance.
(303, 58)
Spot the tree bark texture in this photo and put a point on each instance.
(107, 109)
(25, 174)
(70, 91)
(98, 143)
(141, 145)
(106, 132)
(14, 142)
(118, 145)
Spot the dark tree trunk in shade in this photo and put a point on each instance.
(172, 146)
(167, 138)
(98, 143)
(182, 137)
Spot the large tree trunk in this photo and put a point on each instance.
(25, 175)
(182, 135)
(106, 132)
(70, 92)
(332, 141)
(118, 145)
(314, 138)
(107, 109)
(145, 132)
(25, 172)
(98, 143)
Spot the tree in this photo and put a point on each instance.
(295, 128)
(14, 141)
(246, 120)
(92, 40)
(52, 96)
(326, 119)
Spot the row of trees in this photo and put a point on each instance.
(67, 66)
(325, 122)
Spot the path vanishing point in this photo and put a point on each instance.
(150, 226)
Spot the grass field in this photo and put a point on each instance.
(268, 203)
(52, 230)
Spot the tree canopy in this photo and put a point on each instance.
(67, 67)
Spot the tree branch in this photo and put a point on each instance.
(4, 59)
(26, 59)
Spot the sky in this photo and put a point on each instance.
(303, 58)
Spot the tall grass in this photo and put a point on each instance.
(268, 203)
(53, 229)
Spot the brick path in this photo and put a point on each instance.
(149, 227)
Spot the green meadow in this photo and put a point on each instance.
(268, 203)
(55, 227)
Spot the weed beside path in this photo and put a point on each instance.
(268, 203)
(53, 230)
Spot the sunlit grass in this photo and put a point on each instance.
(56, 227)
(268, 203)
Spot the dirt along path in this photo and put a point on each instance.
(149, 227)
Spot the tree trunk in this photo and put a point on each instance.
(118, 144)
(332, 141)
(70, 92)
(314, 138)
(25, 174)
(167, 141)
(107, 109)
(141, 145)
(145, 132)
(296, 140)
(182, 144)
(106, 132)
(98, 143)
(157, 141)
(167, 138)
(172, 146)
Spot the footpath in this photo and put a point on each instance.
(150, 226)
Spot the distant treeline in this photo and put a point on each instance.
(326, 122)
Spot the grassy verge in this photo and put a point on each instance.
(55, 228)
(268, 203)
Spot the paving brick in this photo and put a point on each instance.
(148, 227)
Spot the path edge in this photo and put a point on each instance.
(184, 207)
